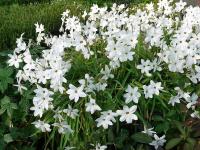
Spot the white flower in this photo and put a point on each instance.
(158, 141)
(103, 121)
(181, 95)
(127, 114)
(195, 114)
(38, 111)
(63, 127)
(192, 101)
(75, 92)
(44, 127)
(58, 115)
(145, 67)
(20, 86)
(151, 89)
(73, 113)
(173, 100)
(42, 101)
(106, 119)
(132, 94)
(39, 28)
(149, 131)
(153, 36)
(84, 14)
(100, 147)
(148, 91)
(92, 106)
(156, 86)
(180, 6)
(69, 148)
(21, 45)
(106, 73)
(14, 60)
(155, 64)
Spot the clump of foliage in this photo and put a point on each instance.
(114, 78)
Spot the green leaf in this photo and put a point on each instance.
(157, 118)
(141, 138)
(7, 106)
(123, 136)
(5, 101)
(172, 143)
(5, 78)
(180, 127)
(2, 110)
(110, 135)
(8, 138)
(13, 105)
(187, 146)
(5, 53)
(191, 142)
(2, 143)
(162, 127)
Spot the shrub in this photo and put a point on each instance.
(123, 77)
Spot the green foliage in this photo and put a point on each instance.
(10, 2)
(5, 78)
(172, 143)
(142, 138)
(16, 131)
(7, 106)
(16, 19)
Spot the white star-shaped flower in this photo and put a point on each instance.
(127, 114)
(75, 92)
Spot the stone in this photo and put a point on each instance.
(193, 2)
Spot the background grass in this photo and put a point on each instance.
(16, 17)
(10, 2)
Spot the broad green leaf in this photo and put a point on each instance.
(157, 118)
(5, 101)
(123, 136)
(141, 138)
(2, 143)
(187, 146)
(5, 78)
(13, 105)
(8, 138)
(5, 53)
(7, 105)
(172, 143)
(180, 127)
(191, 141)
(2, 110)
(110, 135)
(162, 127)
